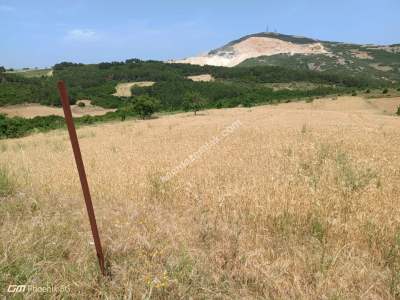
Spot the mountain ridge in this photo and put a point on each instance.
(298, 52)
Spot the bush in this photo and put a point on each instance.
(368, 91)
(81, 104)
(309, 100)
(354, 94)
(194, 101)
(385, 91)
(145, 106)
(247, 103)
(17, 127)
(398, 111)
(398, 89)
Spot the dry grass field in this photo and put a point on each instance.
(124, 89)
(30, 73)
(204, 77)
(301, 201)
(32, 110)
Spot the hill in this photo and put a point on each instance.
(379, 62)
(117, 86)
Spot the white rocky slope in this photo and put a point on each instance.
(251, 47)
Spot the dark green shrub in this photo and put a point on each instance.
(354, 94)
(81, 104)
(398, 111)
(368, 91)
(385, 91)
(145, 106)
(247, 103)
(194, 101)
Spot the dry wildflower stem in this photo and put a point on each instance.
(301, 202)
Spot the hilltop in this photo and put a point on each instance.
(274, 49)
(260, 69)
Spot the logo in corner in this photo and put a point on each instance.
(13, 288)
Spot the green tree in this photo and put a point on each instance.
(194, 101)
(2, 69)
(145, 106)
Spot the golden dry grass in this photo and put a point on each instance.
(124, 89)
(203, 77)
(300, 202)
(31, 110)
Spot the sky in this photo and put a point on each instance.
(43, 33)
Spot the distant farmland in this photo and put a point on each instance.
(31, 73)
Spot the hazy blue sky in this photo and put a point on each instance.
(42, 33)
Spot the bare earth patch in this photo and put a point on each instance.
(381, 67)
(254, 47)
(33, 110)
(204, 77)
(124, 89)
(361, 54)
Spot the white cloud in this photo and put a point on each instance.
(83, 35)
(6, 8)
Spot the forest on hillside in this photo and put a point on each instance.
(97, 82)
(246, 86)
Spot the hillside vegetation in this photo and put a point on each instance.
(376, 62)
(231, 87)
(98, 82)
(302, 53)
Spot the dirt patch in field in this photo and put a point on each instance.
(361, 54)
(32, 110)
(204, 77)
(124, 89)
(381, 67)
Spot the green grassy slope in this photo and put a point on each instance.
(378, 62)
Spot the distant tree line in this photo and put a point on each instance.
(244, 86)
(97, 82)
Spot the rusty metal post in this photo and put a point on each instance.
(81, 170)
